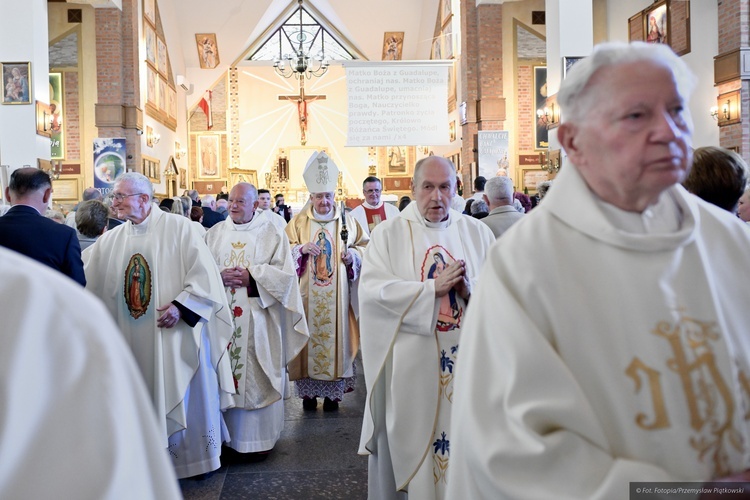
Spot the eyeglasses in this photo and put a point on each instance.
(372, 191)
(120, 196)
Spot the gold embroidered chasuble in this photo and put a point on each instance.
(630, 362)
(325, 289)
(270, 327)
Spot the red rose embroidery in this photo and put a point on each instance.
(236, 384)
(237, 312)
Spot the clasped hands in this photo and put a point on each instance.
(453, 277)
(313, 249)
(235, 277)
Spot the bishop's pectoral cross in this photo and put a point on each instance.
(301, 101)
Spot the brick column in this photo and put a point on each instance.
(734, 49)
(482, 70)
(118, 111)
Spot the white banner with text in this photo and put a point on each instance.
(401, 103)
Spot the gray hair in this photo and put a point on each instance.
(420, 163)
(499, 189)
(139, 181)
(479, 206)
(177, 206)
(207, 200)
(576, 100)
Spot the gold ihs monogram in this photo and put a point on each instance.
(709, 398)
(237, 257)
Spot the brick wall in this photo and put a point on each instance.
(482, 70)
(525, 122)
(72, 120)
(130, 70)
(109, 55)
(219, 97)
(117, 70)
(490, 50)
(734, 33)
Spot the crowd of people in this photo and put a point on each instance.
(600, 324)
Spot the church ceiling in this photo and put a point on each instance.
(239, 23)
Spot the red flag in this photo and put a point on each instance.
(205, 105)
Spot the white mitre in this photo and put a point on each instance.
(321, 174)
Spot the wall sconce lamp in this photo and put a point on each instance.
(727, 111)
(179, 151)
(544, 115)
(549, 116)
(152, 138)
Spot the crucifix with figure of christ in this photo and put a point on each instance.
(302, 101)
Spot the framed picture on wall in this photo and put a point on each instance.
(448, 41)
(393, 45)
(209, 155)
(151, 95)
(657, 29)
(171, 102)
(237, 175)
(149, 10)
(396, 158)
(447, 11)
(16, 78)
(162, 94)
(161, 56)
(208, 50)
(150, 38)
(531, 177)
(541, 134)
(665, 21)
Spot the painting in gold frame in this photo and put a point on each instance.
(396, 160)
(237, 175)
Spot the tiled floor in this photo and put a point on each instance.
(316, 458)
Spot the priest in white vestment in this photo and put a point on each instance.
(326, 266)
(607, 340)
(373, 210)
(270, 328)
(417, 275)
(159, 281)
(75, 418)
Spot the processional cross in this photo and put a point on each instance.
(302, 101)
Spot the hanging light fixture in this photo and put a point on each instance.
(302, 40)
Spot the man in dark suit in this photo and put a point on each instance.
(210, 216)
(25, 230)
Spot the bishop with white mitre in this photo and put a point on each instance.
(326, 266)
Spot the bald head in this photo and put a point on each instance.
(92, 194)
(243, 200)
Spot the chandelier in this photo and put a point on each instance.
(302, 41)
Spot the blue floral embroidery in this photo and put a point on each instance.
(442, 445)
(446, 363)
(454, 349)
